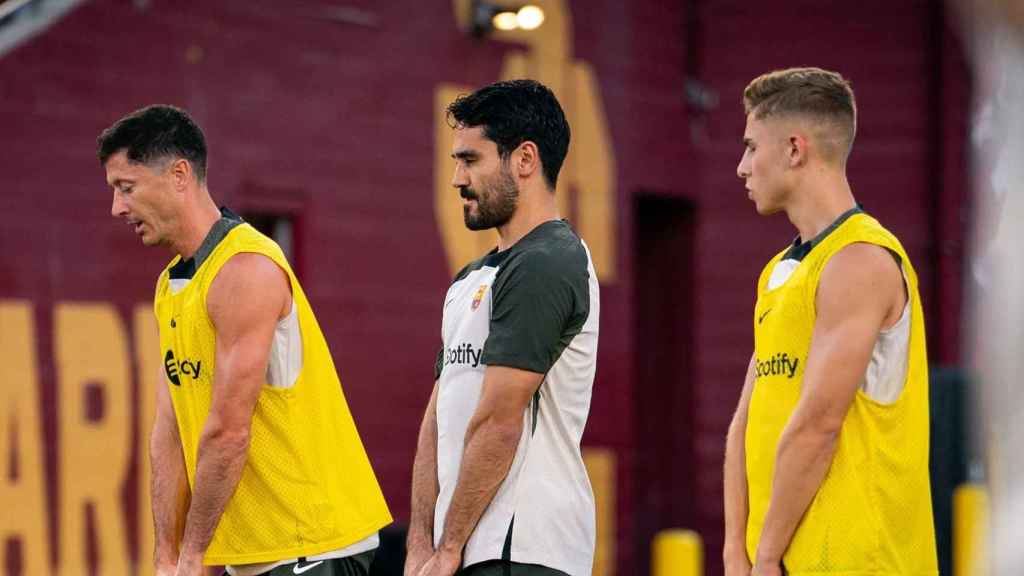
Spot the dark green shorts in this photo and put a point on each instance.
(355, 565)
(506, 568)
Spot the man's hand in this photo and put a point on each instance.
(415, 558)
(737, 565)
(441, 563)
(166, 570)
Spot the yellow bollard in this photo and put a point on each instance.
(677, 553)
(970, 530)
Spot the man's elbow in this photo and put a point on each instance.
(227, 438)
(503, 428)
(737, 427)
(822, 429)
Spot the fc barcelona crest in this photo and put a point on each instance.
(479, 296)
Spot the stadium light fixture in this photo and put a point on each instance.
(487, 16)
(504, 21)
(530, 17)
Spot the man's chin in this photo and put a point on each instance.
(766, 210)
(477, 222)
(476, 225)
(474, 222)
(150, 241)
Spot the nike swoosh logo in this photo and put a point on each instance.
(300, 569)
(761, 318)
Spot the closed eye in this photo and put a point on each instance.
(465, 156)
(123, 186)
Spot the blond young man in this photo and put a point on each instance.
(826, 468)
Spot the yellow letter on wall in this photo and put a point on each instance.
(600, 463)
(147, 362)
(91, 353)
(22, 503)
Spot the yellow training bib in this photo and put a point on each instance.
(307, 486)
(872, 514)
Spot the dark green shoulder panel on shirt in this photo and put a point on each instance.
(540, 299)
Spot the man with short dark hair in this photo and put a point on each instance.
(499, 485)
(256, 460)
(826, 467)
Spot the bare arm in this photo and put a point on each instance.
(734, 553)
(245, 302)
(491, 441)
(859, 290)
(420, 543)
(168, 484)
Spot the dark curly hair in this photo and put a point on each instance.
(513, 112)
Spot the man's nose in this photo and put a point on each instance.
(459, 177)
(117, 207)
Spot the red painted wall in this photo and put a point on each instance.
(333, 122)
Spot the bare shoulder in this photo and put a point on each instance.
(250, 285)
(860, 277)
(254, 267)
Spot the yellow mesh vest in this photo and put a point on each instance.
(307, 486)
(872, 514)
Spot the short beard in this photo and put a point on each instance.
(495, 203)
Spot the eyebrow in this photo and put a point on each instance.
(465, 155)
(119, 181)
(748, 141)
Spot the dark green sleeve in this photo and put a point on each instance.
(541, 300)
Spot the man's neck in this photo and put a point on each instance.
(197, 220)
(819, 204)
(530, 213)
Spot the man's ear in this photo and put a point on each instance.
(181, 173)
(797, 150)
(526, 159)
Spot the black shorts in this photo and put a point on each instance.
(506, 568)
(355, 565)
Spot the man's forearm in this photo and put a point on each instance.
(424, 488)
(804, 455)
(169, 492)
(489, 450)
(222, 458)
(735, 491)
(737, 505)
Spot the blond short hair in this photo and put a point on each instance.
(822, 96)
